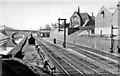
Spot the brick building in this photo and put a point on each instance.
(79, 20)
(105, 19)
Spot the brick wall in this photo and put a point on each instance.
(100, 43)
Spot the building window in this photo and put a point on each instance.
(103, 14)
(75, 18)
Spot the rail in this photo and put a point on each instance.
(4, 39)
(81, 61)
(102, 62)
(64, 66)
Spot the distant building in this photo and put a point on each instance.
(79, 20)
(44, 32)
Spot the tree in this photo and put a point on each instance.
(54, 25)
(47, 26)
(4, 32)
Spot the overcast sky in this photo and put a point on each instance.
(31, 14)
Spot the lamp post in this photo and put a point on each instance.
(64, 43)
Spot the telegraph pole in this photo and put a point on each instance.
(118, 27)
(58, 24)
(111, 48)
(64, 43)
(112, 40)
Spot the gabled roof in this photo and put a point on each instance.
(112, 11)
(115, 11)
(112, 8)
(84, 15)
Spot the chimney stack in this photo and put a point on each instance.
(78, 9)
(92, 14)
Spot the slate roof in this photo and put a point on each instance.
(85, 16)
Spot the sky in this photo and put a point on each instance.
(33, 14)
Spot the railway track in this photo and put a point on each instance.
(63, 66)
(101, 60)
(81, 64)
(104, 61)
(111, 66)
(2, 41)
(96, 51)
(93, 67)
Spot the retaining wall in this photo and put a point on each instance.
(99, 43)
